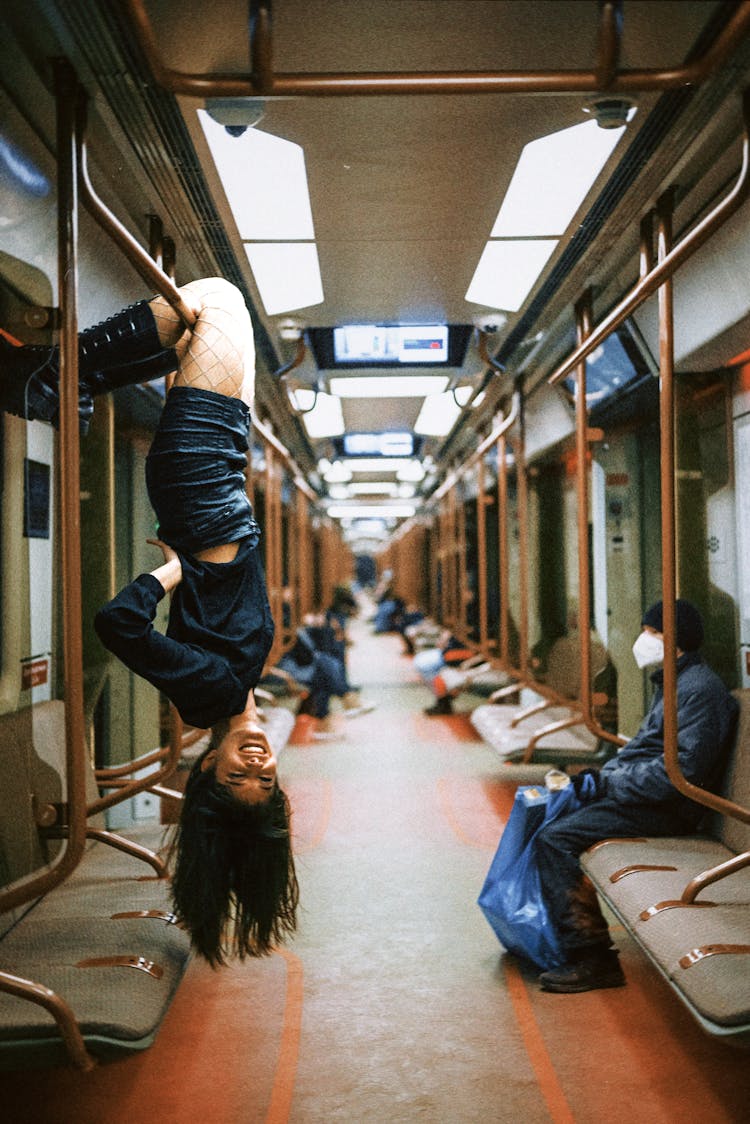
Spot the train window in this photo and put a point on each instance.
(36, 500)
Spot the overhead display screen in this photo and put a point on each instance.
(377, 343)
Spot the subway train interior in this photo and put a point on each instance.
(496, 255)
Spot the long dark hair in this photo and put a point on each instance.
(234, 886)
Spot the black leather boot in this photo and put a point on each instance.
(121, 351)
(441, 706)
(587, 970)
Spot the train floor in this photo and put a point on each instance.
(395, 1002)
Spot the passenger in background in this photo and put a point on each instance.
(323, 673)
(338, 614)
(632, 795)
(435, 666)
(404, 622)
(342, 608)
(234, 885)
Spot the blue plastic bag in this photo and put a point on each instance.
(511, 898)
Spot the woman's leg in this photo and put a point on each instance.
(218, 352)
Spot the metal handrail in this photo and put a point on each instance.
(650, 281)
(169, 757)
(66, 92)
(157, 279)
(603, 77)
(668, 545)
(502, 426)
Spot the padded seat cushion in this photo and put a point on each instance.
(117, 1002)
(717, 986)
(641, 889)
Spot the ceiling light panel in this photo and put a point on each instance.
(397, 386)
(265, 182)
(438, 415)
(325, 419)
(551, 180)
(287, 274)
(507, 271)
(374, 511)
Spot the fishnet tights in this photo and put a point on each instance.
(218, 353)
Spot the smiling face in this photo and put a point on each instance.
(244, 763)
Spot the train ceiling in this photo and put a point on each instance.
(405, 191)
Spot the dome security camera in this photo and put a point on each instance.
(237, 115)
(491, 322)
(609, 112)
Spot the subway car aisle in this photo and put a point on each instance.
(394, 1003)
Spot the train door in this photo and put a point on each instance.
(626, 538)
(742, 491)
(707, 570)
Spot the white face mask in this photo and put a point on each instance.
(648, 650)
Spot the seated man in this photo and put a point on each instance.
(632, 795)
(324, 676)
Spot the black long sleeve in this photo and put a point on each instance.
(219, 635)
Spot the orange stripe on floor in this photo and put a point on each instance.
(286, 1069)
(549, 1085)
(446, 803)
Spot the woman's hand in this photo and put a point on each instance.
(170, 573)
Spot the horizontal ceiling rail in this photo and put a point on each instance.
(604, 77)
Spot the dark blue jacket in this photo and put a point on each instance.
(706, 722)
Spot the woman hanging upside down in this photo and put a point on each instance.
(234, 884)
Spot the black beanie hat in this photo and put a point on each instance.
(688, 624)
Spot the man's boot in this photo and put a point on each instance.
(121, 351)
(443, 705)
(588, 969)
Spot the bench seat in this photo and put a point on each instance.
(701, 948)
(575, 744)
(118, 1008)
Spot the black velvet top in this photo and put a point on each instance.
(218, 637)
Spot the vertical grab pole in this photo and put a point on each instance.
(502, 535)
(69, 126)
(482, 556)
(583, 314)
(667, 479)
(523, 541)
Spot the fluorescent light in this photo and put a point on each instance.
(326, 419)
(395, 386)
(551, 180)
(287, 274)
(406, 491)
(463, 394)
(339, 492)
(438, 415)
(373, 488)
(411, 470)
(336, 473)
(507, 271)
(373, 464)
(302, 398)
(264, 180)
(374, 511)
